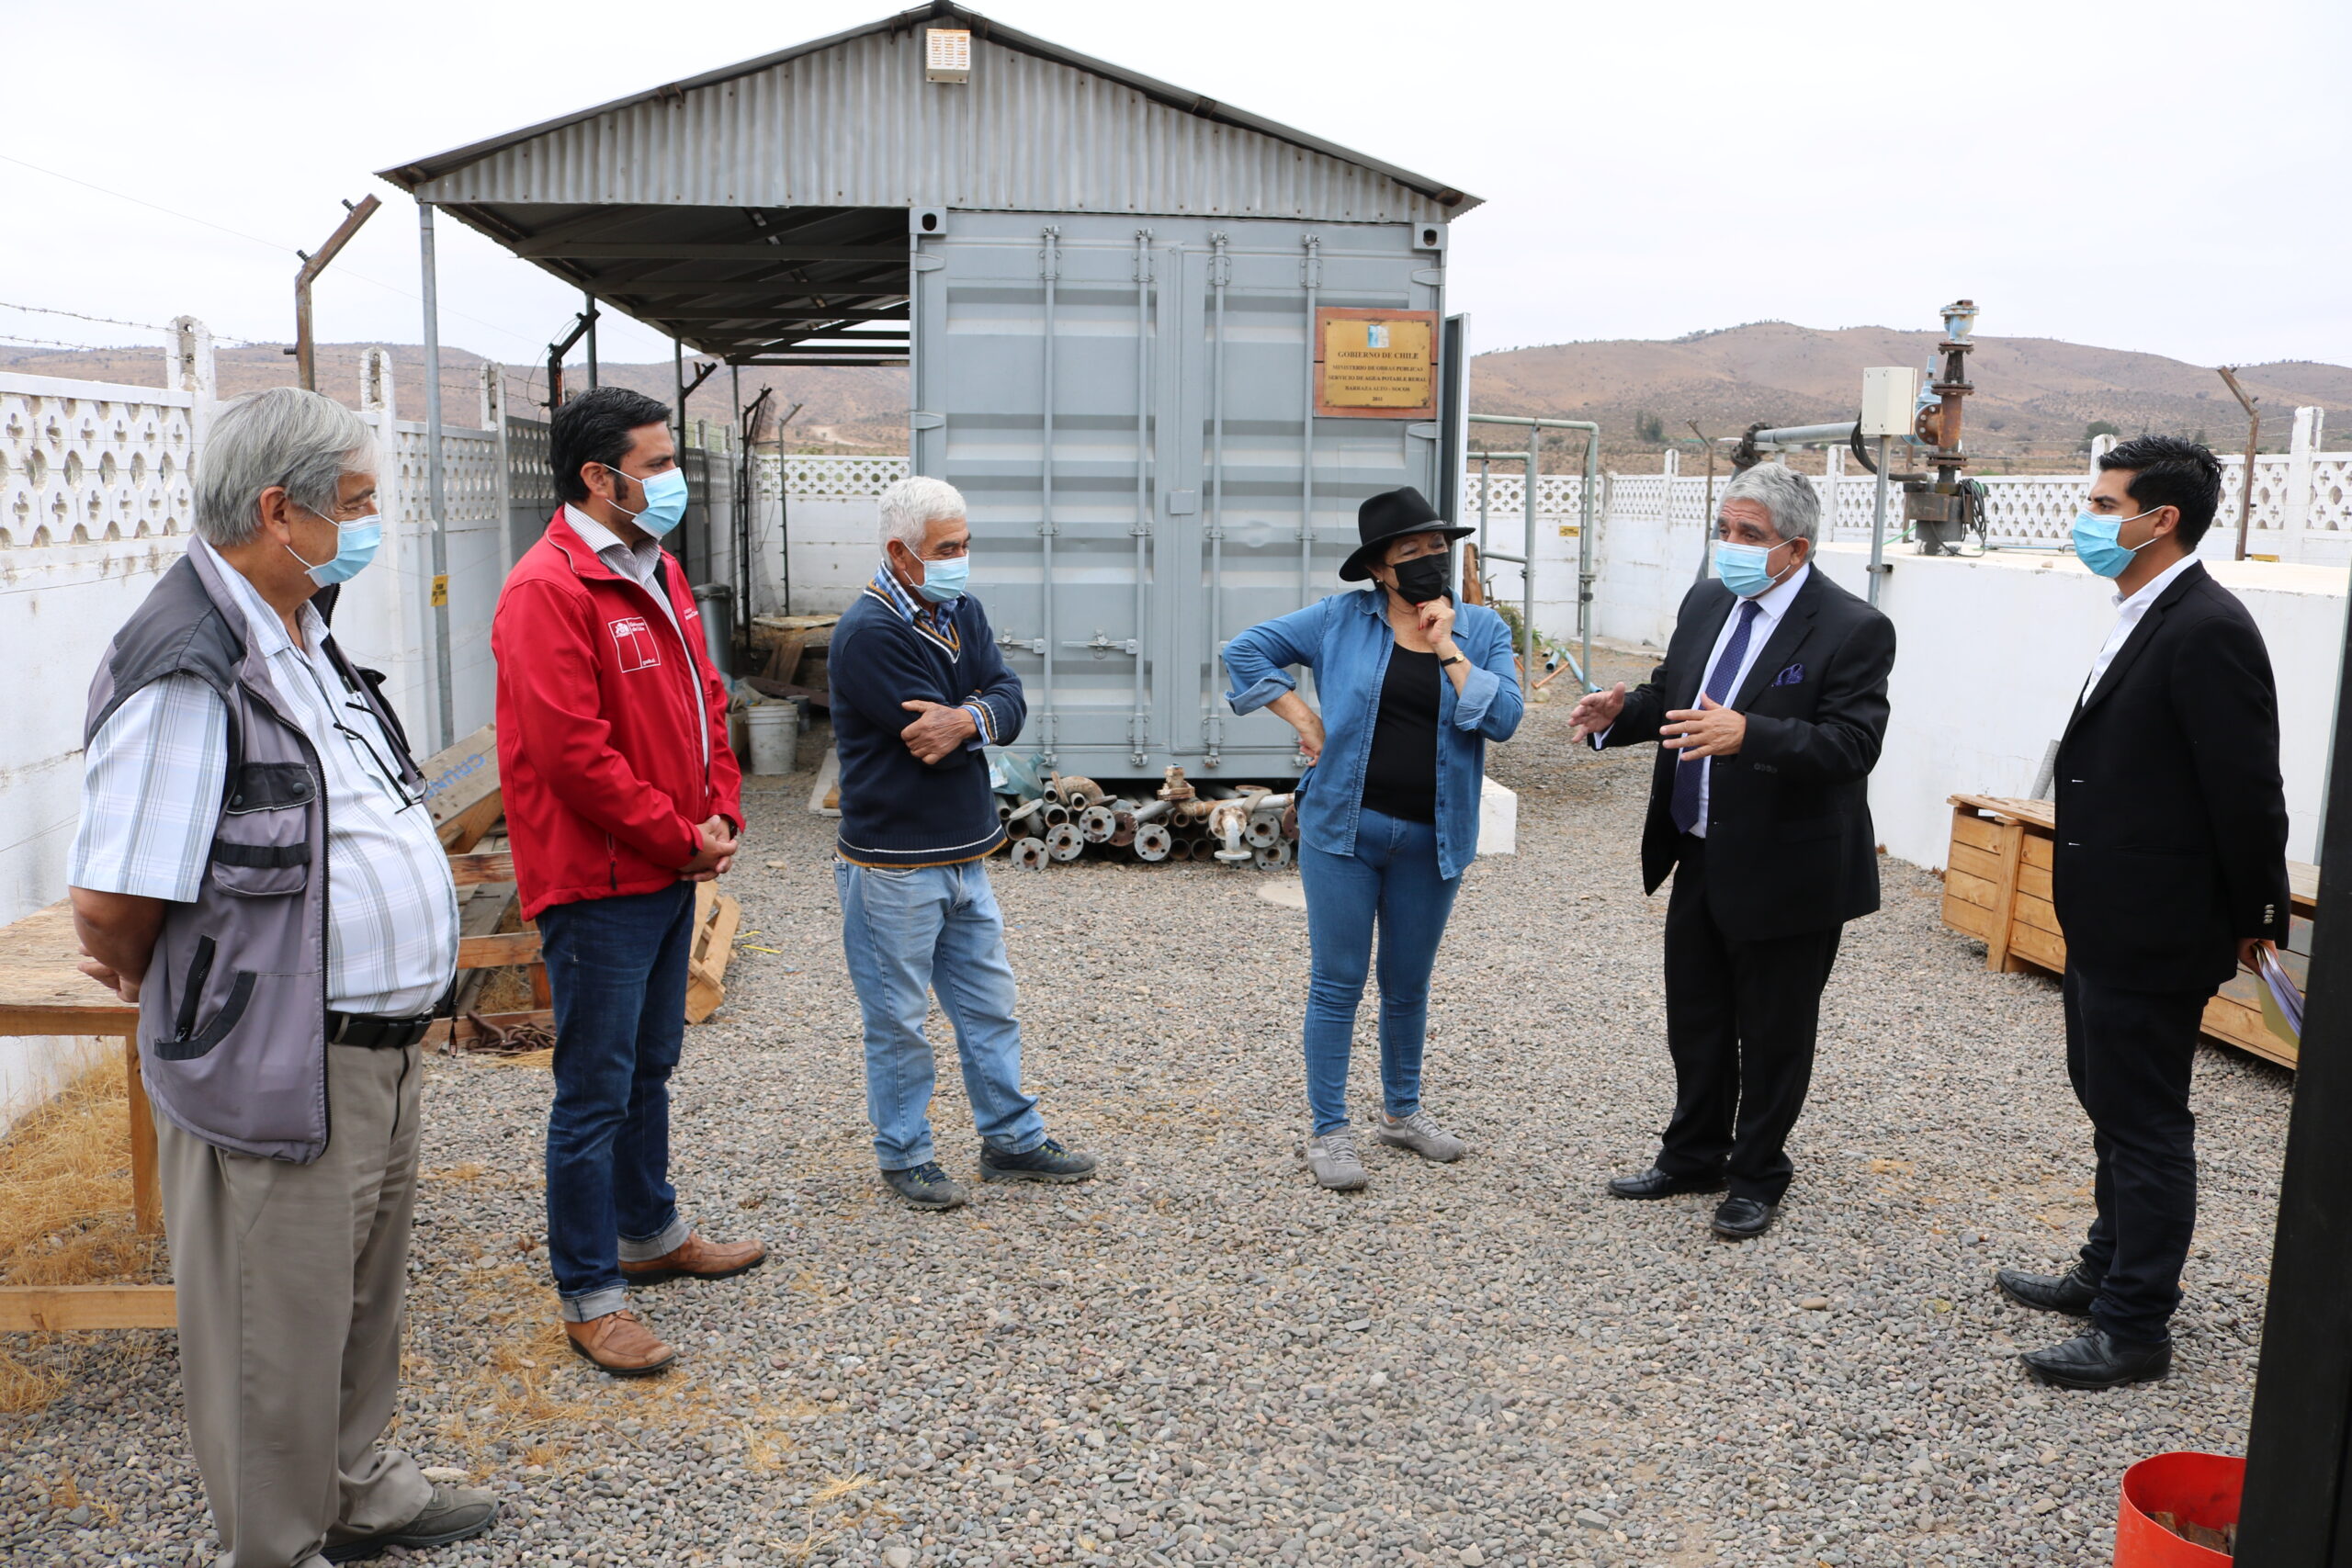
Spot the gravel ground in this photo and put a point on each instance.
(1201, 1358)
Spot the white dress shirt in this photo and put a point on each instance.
(641, 564)
(1770, 605)
(2130, 613)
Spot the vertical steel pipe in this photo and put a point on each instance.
(1049, 266)
(1313, 269)
(435, 488)
(1878, 522)
(1527, 566)
(1140, 724)
(1218, 265)
(589, 301)
(1584, 549)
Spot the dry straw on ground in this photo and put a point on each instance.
(65, 1209)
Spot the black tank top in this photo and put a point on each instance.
(1400, 780)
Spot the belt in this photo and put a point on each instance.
(372, 1032)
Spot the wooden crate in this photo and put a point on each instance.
(1996, 889)
(716, 916)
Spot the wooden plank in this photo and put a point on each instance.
(2033, 879)
(499, 951)
(1987, 863)
(146, 1190)
(2041, 814)
(469, 871)
(2233, 1022)
(462, 1031)
(2004, 894)
(457, 778)
(784, 656)
(1976, 832)
(1970, 889)
(2039, 913)
(32, 1309)
(2302, 887)
(2040, 852)
(2042, 947)
(42, 988)
(717, 917)
(1969, 919)
(463, 830)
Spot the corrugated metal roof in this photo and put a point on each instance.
(850, 121)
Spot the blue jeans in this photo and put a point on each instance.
(1392, 883)
(617, 971)
(905, 933)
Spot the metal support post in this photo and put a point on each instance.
(1584, 532)
(1139, 723)
(1312, 269)
(1049, 267)
(306, 368)
(1220, 273)
(1527, 568)
(589, 302)
(446, 718)
(1879, 567)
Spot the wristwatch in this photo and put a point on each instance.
(1444, 662)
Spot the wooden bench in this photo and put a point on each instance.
(1996, 889)
(44, 993)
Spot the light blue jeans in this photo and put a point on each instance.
(1390, 884)
(905, 934)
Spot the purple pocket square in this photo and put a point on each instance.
(1793, 675)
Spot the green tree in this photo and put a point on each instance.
(1649, 427)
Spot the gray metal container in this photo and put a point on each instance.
(1125, 403)
(716, 603)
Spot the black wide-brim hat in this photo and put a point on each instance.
(1384, 516)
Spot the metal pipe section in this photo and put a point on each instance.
(1584, 534)
(1218, 265)
(1878, 522)
(1139, 722)
(306, 365)
(1050, 264)
(1313, 269)
(589, 315)
(1029, 854)
(1806, 436)
(434, 487)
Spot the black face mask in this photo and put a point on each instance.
(1424, 578)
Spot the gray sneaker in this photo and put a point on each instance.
(1421, 1132)
(453, 1513)
(1332, 1157)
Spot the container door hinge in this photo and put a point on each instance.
(1425, 432)
(1432, 275)
(918, 419)
(922, 262)
(1035, 645)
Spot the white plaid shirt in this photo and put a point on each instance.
(151, 784)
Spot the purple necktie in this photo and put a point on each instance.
(1687, 775)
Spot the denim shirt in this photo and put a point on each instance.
(1346, 640)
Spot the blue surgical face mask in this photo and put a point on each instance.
(1746, 569)
(665, 500)
(356, 544)
(943, 580)
(2097, 547)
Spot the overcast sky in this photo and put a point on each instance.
(2155, 175)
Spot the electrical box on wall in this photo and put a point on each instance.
(947, 54)
(1890, 399)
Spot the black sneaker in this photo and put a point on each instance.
(1047, 1162)
(453, 1513)
(926, 1185)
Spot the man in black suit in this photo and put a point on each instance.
(1759, 807)
(2171, 870)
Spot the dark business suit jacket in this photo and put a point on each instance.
(2172, 823)
(1790, 846)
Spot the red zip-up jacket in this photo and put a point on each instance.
(599, 701)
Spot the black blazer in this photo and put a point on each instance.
(2172, 822)
(1790, 846)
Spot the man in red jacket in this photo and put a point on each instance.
(621, 795)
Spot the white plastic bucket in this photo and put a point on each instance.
(775, 736)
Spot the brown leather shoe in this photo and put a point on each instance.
(621, 1344)
(698, 1258)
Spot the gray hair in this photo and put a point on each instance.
(282, 437)
(1780, 489)
(911, 507)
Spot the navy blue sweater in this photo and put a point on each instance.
(897, 811)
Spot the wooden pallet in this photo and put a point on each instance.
(716, 918)
(1997, 889)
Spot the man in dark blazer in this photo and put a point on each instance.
(2170, 871)
(1769, 710)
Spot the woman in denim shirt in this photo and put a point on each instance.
(1412, 689)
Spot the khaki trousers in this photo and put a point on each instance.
(290, 1280)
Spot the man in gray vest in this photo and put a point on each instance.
(256, 871)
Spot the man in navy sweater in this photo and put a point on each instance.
(919, 690)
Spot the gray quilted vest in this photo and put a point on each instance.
(233, 1012)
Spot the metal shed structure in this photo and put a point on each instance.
(1119, 302)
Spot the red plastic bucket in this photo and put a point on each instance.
(2196, 1489)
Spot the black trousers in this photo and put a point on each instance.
(2130, 1055)
(1740, 1020)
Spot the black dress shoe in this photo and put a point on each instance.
(1743, 1219)
(1656, 1183)
(2094, 1359)
(2069, 1292)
